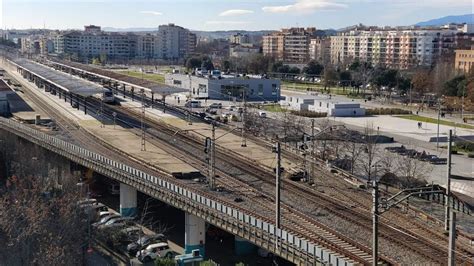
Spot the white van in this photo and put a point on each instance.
(262, 114)
(193, 104)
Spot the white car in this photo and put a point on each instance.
(153, 251)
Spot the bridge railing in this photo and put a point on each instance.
(286, 239)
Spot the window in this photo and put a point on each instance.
(260, 90)
(274, 89)
(202, 88)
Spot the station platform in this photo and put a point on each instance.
(120, 138)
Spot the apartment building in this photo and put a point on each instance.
(239, 38)
(320, 49)
(464, 60)
(393, 48)
(170, 42)
(174, 42)
(289, 45)
(272, 45)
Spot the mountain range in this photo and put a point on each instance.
(468, 18)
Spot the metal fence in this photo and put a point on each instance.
(304, 246)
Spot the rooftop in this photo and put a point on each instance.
(64, 81)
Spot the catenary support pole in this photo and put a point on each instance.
(244, 111)
(448, 183)
(277, 189)
(452, 240)
(213, 158)
(313, 154)
(375, 221)
(437, 132)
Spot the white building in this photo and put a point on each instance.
(322, 104)
(337, 109)
(227, 87)
(297, 103)
(243, 50)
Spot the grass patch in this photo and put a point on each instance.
(434, 121)
(158, 78)
(276, 108)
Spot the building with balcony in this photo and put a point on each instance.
(464, 61)
(289, 45)
(393, 48)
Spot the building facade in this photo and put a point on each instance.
(320, 49)
(289, 45)
(171, 42)
(464, 61)
(239, 38)
(174, 42)
(392, 48)
(227, 88)
(243, 50)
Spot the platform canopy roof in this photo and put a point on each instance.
(122, 78)
(62, 80)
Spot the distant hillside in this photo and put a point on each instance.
(468, 18)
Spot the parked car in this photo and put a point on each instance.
(153, 251)
(262, 114)
(144, 241)
(105, 219)
(215, 105)
(116, 220)
(118, 224)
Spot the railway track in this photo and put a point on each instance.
(424, 250)
(293, 220)
(421, 245)
(326, 238)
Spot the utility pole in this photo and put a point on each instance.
(143, 121)
(277, 150)
(244, 111)
(375, 222)
(212, 161)
(277, 187)
(101, 112)
(313, 155)
(452, 240)
(437, 133)
(448, 183)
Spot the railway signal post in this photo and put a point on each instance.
(277, 150)
(375, 222)
(212, 159)
(452, 240)
(448, 183)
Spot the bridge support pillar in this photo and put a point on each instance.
(194, 234)
(243, 247)
(128, 200)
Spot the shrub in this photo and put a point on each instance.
(308, 114)
(387, 111)
(465, 145)
(471, 155)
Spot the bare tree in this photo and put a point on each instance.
(40, 224)
(354, 150)
(370, 162)
(411, 171)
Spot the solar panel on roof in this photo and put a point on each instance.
(73, 84)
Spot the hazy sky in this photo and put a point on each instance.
(224, 14)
